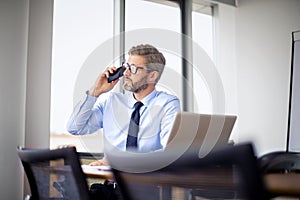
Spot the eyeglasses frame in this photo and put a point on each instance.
(126, 64)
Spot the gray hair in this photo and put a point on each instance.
(154, 59)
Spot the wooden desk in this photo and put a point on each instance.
(178, 184)
(283, 184)
(170, 184)
(277, 184)
(207, 180)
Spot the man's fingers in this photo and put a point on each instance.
(96, 163)
(109, 71)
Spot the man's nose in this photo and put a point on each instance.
(127, 71)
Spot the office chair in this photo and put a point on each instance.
(281, 170)
(232, 168)
(280, 162)
(54, 174)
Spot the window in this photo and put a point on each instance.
(202, 37)
(146, 14)
(80, 26)
(152, 21)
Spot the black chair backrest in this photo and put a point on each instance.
(231, 169)
(54, 174)
(280, 162)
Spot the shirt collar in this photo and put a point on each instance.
(146, 100)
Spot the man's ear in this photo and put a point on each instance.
(153, 76)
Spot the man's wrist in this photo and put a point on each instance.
(93, 93)
(90, 93)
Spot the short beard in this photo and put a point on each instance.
(141, 88)
(136, 89)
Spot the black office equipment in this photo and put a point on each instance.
(54, 174)
(232, 168)
(280, 162)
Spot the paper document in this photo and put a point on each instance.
(88, 168)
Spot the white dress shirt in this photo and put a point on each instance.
(113, 115)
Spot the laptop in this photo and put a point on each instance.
(194, 133)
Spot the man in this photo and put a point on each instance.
(144, 68)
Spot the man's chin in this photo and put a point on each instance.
(126, 87)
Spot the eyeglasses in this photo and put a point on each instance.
(132, 68)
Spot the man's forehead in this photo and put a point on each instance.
(136, 59)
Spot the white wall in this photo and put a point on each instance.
(263, 59)
(225, 58)
(25, 61)
(253, 56)
(38, 85)
(13, 52)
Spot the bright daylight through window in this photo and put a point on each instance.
(80, 26)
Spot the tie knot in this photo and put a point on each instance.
(138, 105)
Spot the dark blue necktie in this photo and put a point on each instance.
(134, 127)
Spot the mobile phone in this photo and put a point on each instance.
(117, 74)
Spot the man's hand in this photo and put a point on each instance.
(101, 85)
(103, 161)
